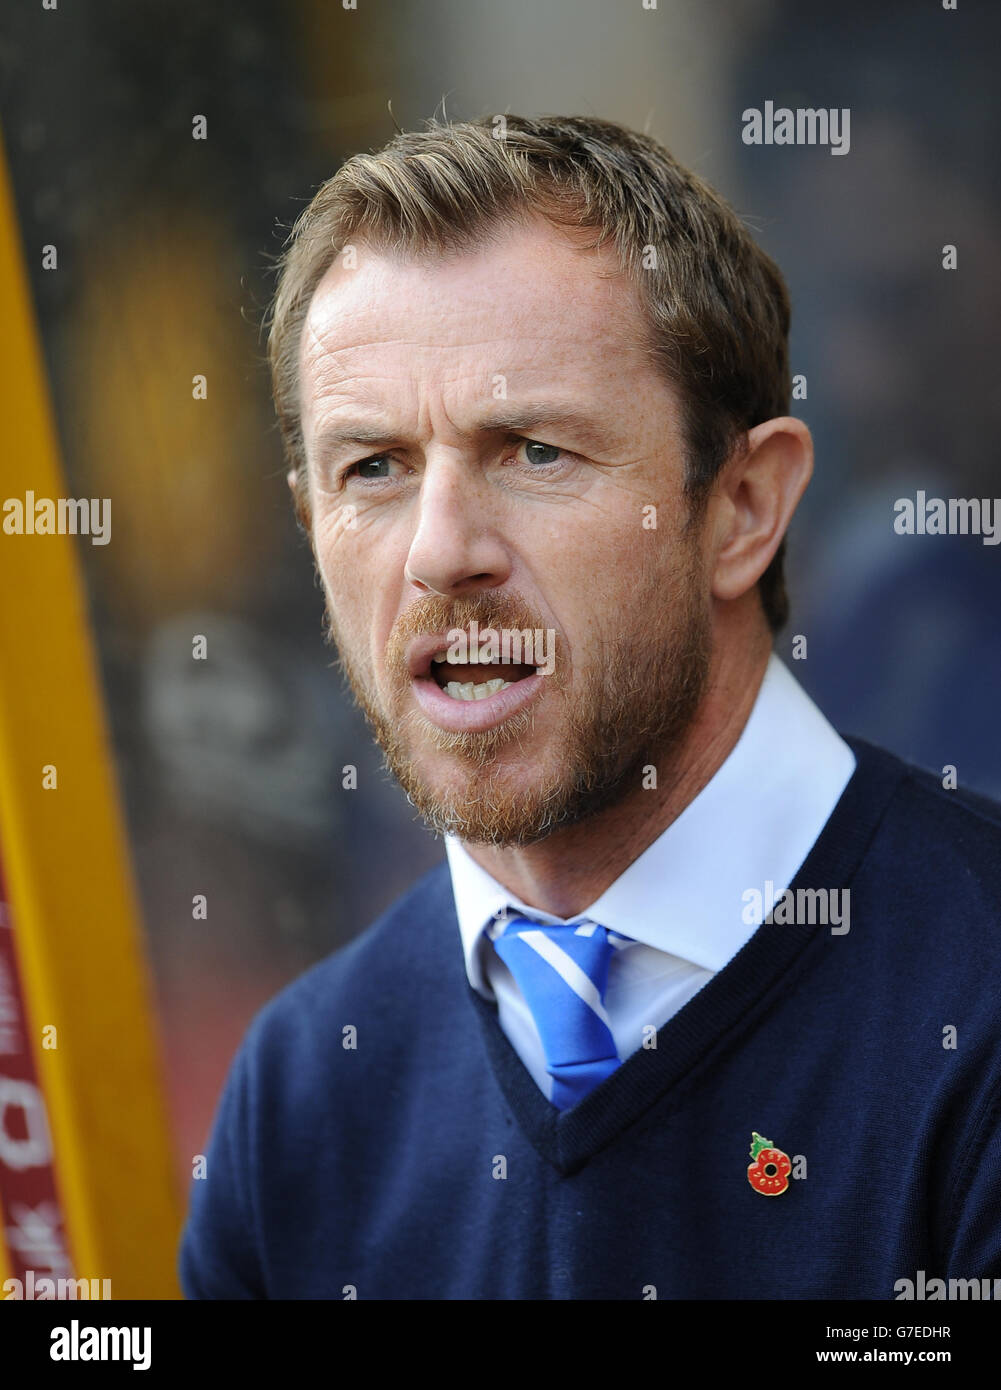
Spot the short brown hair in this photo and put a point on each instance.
(717, 305)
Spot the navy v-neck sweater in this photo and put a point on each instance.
(379, 1138)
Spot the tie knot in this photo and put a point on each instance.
(562, 971)
(560, 932)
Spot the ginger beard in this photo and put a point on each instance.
(630, 706)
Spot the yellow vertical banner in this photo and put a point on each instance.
(86, 1184)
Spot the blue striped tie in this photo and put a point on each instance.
(563, 972)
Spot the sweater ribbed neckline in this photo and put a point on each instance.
(724, 1007)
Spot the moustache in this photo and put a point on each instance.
(437, 613)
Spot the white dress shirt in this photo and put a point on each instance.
(682, 901)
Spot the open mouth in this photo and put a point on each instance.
(468, 687)
(477, 678)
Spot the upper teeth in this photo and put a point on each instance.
(469, 691)
(474, 658)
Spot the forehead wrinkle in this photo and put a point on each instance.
(512, 419)
(378, 382)
(609, 305)
(566, 344)
(532, 367)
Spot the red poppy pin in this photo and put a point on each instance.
(769, 1172)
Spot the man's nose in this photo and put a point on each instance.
(456, 548)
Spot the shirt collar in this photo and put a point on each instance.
(753, 823)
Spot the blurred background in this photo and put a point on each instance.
(231, 769)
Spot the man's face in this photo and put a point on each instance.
(487, 440)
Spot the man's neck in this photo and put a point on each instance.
(570, 869)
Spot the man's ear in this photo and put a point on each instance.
(758, 491)
(299, 502)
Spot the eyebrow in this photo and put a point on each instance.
(524, 419)
(521, 420)
(333, 439)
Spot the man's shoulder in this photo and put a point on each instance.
(936, 799)
(930, 830)
(411, 948)
(925, 910)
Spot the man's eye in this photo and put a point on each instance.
(541, 453)
(372, 468)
